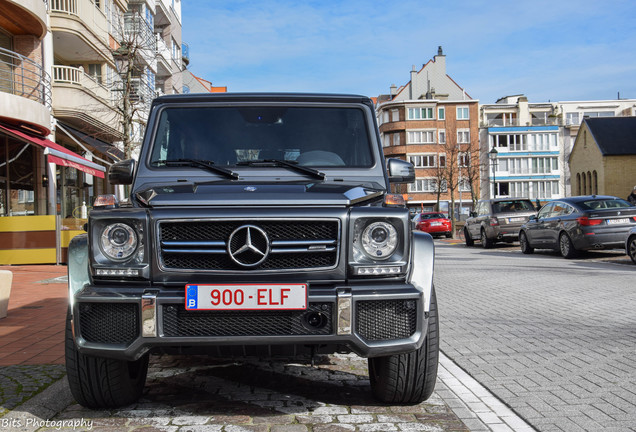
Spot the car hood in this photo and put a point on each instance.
(258, 194)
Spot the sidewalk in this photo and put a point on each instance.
(32, 334)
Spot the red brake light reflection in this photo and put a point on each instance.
(585, 221)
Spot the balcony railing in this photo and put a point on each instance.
(87, 11)
(139, 32)
(77, 77)
(21, 76)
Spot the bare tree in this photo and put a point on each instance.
(136, 47)
(471, 170)
(451, 173)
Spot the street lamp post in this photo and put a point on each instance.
(492, 155)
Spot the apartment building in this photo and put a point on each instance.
(525, 146)
(60, 122)
(432, 122)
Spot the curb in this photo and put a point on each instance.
(35, 412)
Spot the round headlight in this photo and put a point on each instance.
(118, 241)
(379, 240)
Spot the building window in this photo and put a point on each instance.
(463, 136)
(421, 114)
(542, 141)
(395, 139)
(463, 159)
(442, 137)
(395, 115)
(464, 185)
(95, 72)
(423, 161)
(421, 137)
(462, 113)
(425, 185)
(572, 119)
(442, 160)
(593, 114)
(441, 114)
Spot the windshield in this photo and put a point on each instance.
(611, 203)
(235, 136)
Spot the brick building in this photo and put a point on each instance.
(432, 122)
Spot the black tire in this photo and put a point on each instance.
(525, 244)
(566, 247)
(408, 378)
(467, 238)
(449, 235)
(98, 382)
(485, 241)
(631, 248)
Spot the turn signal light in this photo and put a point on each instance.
(107, 201)
(394, 200)
(585, 221)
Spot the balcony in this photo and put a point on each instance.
(84, 103)
(25, 90)
(25, 17)
(164, 67)
(80, 31)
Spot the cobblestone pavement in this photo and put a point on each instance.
(21, 382)
(201, 394)
(554, 339)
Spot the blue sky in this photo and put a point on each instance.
(554, 50)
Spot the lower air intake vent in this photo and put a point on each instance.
(179, 322)
(386, 319)
(112, 323)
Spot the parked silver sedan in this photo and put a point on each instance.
(579, 223)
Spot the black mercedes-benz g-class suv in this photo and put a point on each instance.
(257, 224)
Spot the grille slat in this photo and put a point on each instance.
(114, 323)
(379, 320)
(179, 322)
(202, 245)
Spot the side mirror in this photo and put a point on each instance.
(400, 171)
(122, 172)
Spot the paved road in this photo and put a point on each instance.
(554, 339)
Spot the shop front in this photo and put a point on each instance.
(45, 193)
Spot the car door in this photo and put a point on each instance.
(554, 222)
(483, 210)
(536, 228)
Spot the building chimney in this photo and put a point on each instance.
(393, 91)
(411, 87)
(440, 61)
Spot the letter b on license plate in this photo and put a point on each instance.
(246, 297)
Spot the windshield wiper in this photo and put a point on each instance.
(209, 165)
(283, 163)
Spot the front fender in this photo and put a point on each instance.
(422, 265)
(78, 275)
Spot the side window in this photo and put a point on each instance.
(483, 209)
(545, 211)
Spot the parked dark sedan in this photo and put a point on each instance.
(630, 244)
(579, 223)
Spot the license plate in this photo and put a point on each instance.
(621, 221)
(517, 219)
(436, 223)
(246, 297)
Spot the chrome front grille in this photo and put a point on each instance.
(223, 244)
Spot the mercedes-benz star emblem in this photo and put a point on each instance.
(248, 246)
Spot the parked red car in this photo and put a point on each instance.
(433, 223)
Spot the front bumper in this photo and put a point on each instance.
(370, 320)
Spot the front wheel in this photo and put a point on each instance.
(566, 247)
(525, 244)
(408, 378)
(467, 238)
(98, 382)
(631, 248)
